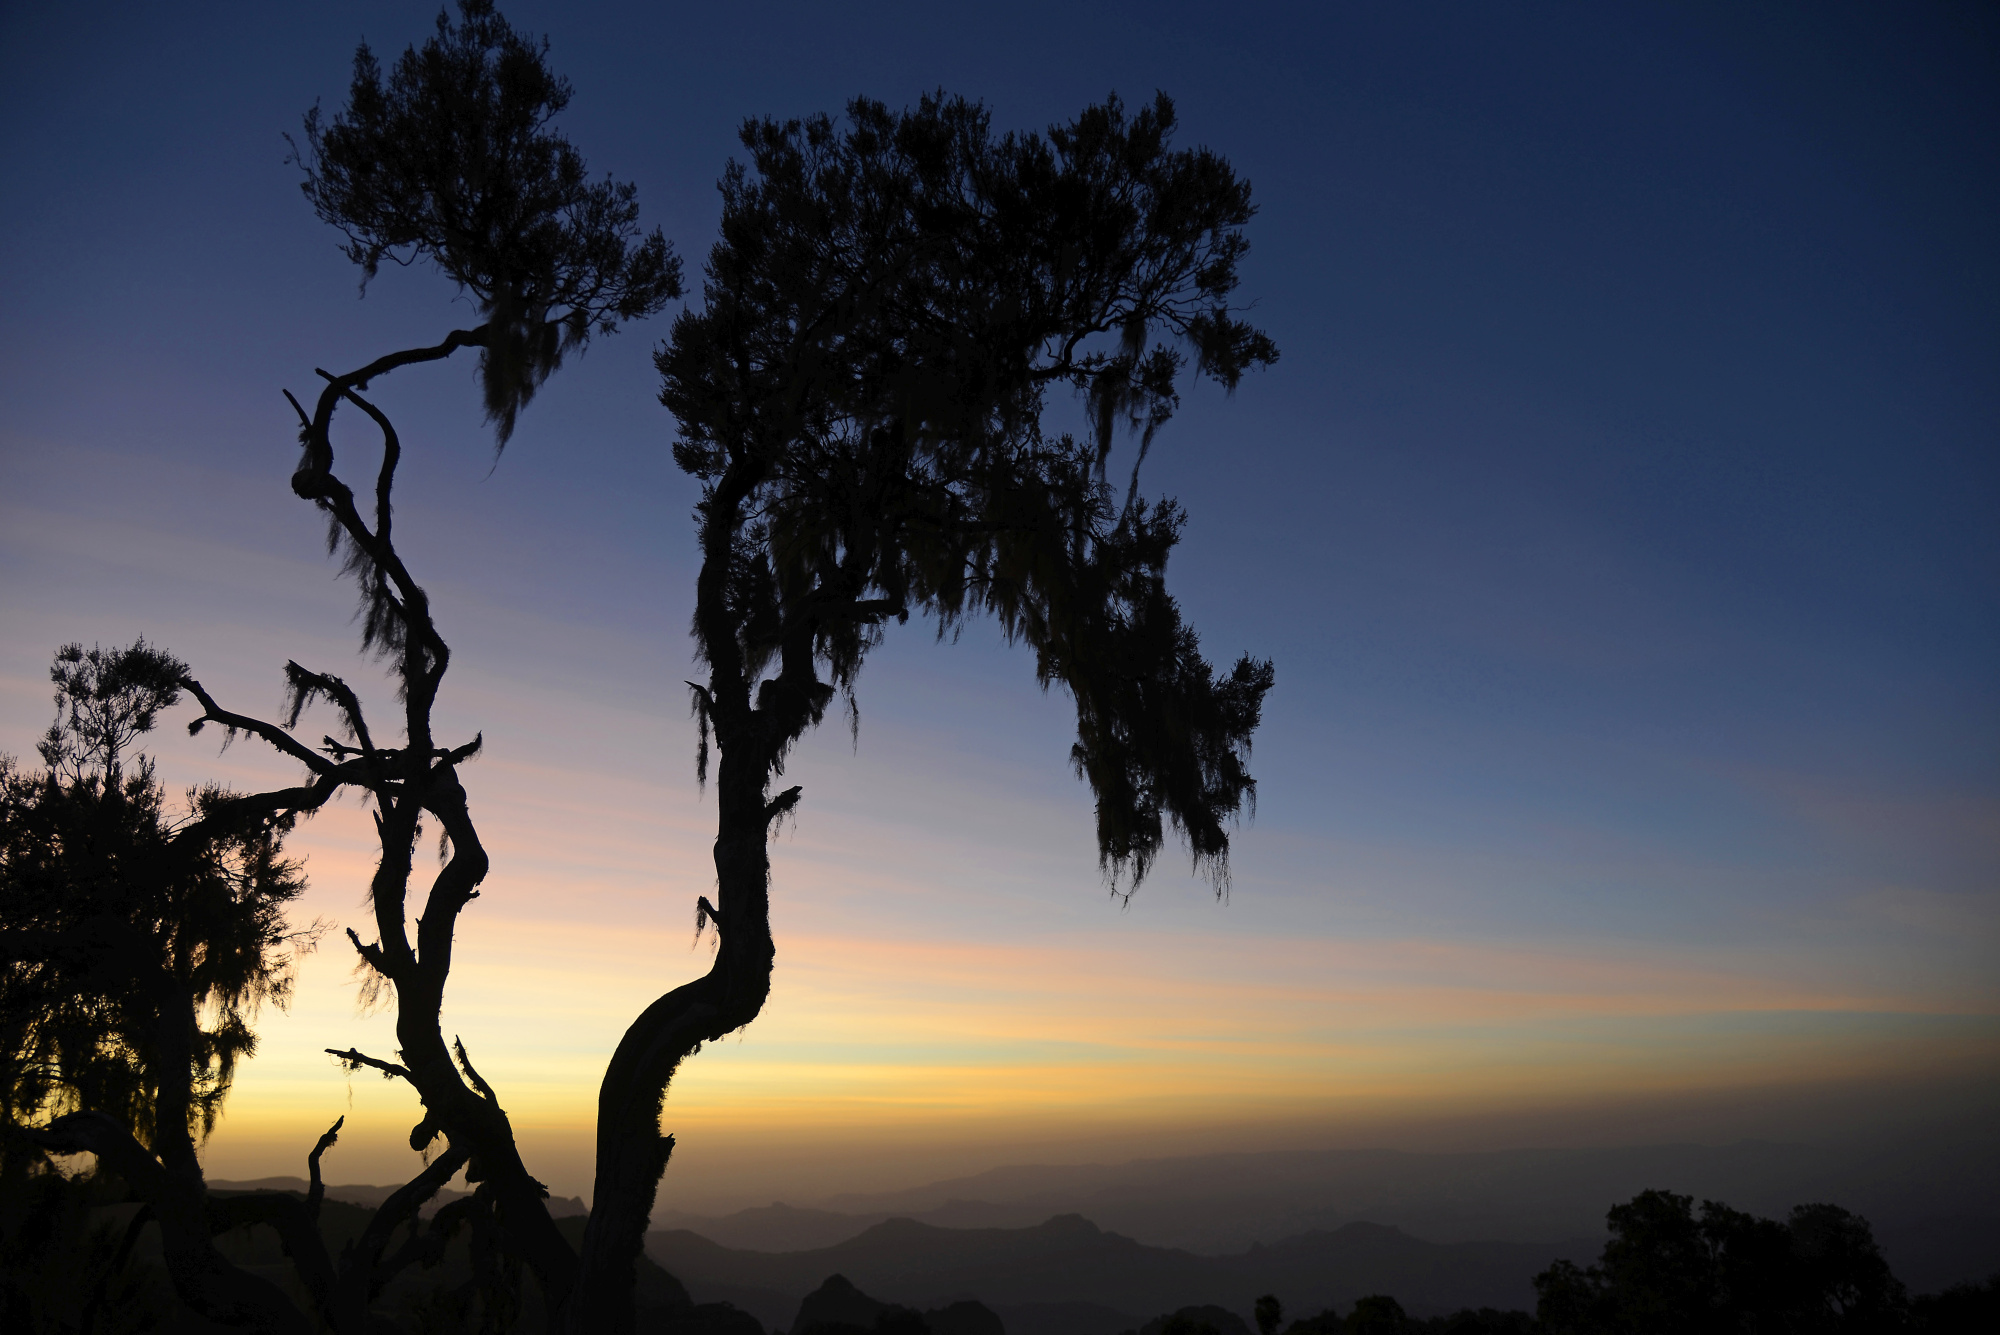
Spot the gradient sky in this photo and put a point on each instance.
(1620, 517)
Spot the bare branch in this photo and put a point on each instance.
(427, 1246)
(235, 810)
(354, 1060)
(376, 960)
(316, 1192)
(359, 1272)
(339, 386)
(781, 804)
(485, 1090)
(303, 685)
(276, 736)
(95, 1133)
(392, 453)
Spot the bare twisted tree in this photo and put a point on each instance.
(136, 945)
(451, 159)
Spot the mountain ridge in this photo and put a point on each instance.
(1069, 1262)
(1929, 1202)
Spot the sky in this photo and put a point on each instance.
(1619, 517)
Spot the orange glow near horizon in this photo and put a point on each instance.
(916, 1052)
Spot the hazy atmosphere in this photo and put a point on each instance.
(1618, 515)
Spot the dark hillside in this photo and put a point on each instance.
(1066, 1276)
(778, 1227)
(1067, 1259)
(1219, 1204)
(1333, 1268)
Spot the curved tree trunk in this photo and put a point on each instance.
(631, 1151)
(470, 1117)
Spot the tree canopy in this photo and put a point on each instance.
(864, 396)
(138, 942)
(452, 159)
(1667, 1270)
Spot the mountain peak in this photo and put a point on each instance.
(1068, 1224)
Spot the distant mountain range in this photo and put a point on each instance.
(1066, 1276)
(1094, 1249)
(1931, 1204)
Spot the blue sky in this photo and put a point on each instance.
(1619, 517)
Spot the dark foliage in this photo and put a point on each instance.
(1328, 1322)
(1667, 1271)
(66, 1248)
(1380, 1314)
(1185, 1323)
(135, 944)
(863, 397)
(1480, 1321)
(104, 701)
(1377, 1314)
(1964, 1309)
(452, 159)
(135, 948)
(1670, 1271)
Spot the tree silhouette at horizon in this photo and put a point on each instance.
(449, 159)
(862, 397)
(136, 946)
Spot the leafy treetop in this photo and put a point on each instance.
(863, 393)
(138, 944)
(452, 159)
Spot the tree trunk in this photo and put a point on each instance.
(631, 1152)
(470, 1118)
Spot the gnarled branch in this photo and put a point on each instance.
(354, 1059)
(276, 736)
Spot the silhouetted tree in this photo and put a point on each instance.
(1664, 1272)
(136, 945)
(450, 159)
(1270, 1314)
(862, 397)
(1327, 1322)
(1377, 1314)
(1478, 1321)
(1186, 1321)
(1963, 1309)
